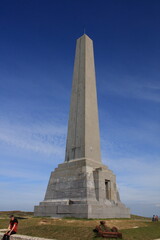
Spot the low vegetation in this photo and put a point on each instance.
(136, 228)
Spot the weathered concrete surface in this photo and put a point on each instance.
(83, 139)
(24, 237)
(82, 186)
(78, 189)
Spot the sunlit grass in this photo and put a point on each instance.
(136, 228)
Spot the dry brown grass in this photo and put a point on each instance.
(120, 224)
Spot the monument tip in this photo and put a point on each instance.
(85, 35)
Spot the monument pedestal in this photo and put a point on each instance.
(82, 188)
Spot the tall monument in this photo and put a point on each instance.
(82, 186)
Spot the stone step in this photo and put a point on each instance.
(24, 237)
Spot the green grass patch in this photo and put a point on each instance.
(136, 228)
(150, 232)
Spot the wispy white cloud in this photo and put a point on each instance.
(44, 138)
(22, 173)
(132, 87)
(136, 137)
(21, 196)
(139, 195)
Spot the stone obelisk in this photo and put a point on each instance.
(82, 186)
(83, 128)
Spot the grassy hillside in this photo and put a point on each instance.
(136, 228)
(19, 214)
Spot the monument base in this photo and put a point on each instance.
(82, 188)
(81, 211)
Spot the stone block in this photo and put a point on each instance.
(24, 237)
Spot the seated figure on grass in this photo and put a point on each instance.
(104, 231)
(12, 228)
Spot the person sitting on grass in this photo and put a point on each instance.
(12, 228)
(104, 231)
(105, 228)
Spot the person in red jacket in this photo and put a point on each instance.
(12, 228)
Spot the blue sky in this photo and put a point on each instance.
(37, 47)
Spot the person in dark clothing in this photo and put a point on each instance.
(12, 228)
(153, 218)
